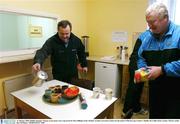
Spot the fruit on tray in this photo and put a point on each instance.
(60, 94)
(71, 92)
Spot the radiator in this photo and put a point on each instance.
(14, 84)
(17, 83)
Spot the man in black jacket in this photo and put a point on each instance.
(66, 50)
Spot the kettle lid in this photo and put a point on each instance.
(42, 75)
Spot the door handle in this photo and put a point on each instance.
(104, 66)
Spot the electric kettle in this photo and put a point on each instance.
(40, 78)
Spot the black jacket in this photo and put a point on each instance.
(133, 58)
(63, 59)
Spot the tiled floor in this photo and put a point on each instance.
(117, 113)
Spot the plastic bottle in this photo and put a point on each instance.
(117, 52)
(123, 54)
(83, 101)
(120, 50)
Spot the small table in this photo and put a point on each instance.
(30, 100)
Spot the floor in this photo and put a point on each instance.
(117, 113)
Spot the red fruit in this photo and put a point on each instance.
(71, 91)
(137, 76)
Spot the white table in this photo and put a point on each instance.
(30, 100)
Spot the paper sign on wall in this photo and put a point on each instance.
(35, 31)
(119, 36)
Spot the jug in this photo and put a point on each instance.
(85, 40)
(40, 78)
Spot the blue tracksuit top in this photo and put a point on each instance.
(161, 51)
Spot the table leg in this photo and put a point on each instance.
(110, 114)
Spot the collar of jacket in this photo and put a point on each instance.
(62, 42)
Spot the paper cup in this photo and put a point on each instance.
(108, 93)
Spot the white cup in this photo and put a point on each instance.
(96, 92)
(108, 93)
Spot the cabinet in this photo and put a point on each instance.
(107, 76)
(125, 80)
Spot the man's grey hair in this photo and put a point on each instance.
(158, 8)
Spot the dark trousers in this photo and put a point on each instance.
(164, 101)
(133, 95)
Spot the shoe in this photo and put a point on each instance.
(142, 112)
(123, 115)
(127, 115)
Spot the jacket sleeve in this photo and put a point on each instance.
(81, 54)
(173, 68)
(43, 53)
(141, 61)
(134, 56)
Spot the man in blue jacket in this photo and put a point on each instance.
(160, 52)
(66, 51)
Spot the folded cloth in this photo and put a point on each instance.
(108, 58)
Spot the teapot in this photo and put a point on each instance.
(40, 78)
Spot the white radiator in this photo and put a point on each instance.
(14, 84)
(17, 83)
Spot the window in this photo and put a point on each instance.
(177, 14)
(23, 31)
(174, 10)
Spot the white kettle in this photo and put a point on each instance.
(40, 78)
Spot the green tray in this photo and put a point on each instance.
(62, 100)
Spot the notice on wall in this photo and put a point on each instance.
(35, 31)
(119, 36)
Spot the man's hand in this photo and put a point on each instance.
(85, 69)
(36, 67)
(79, 67)
(82, 69)
(154, 72)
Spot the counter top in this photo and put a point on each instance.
(114, 61)
(16, 58)
(17, 55)
(21, 57)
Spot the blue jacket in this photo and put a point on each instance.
(161, 51)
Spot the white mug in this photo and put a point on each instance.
(108, 93)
